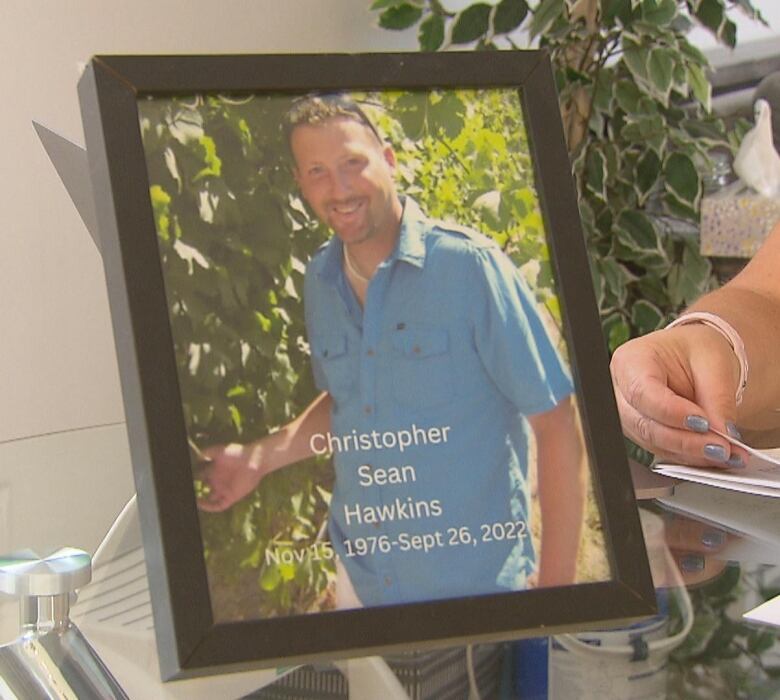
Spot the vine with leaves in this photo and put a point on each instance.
(635, 103)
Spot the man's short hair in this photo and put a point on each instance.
(313, 110)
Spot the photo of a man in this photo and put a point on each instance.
(439, 385)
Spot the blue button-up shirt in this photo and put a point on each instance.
(431, 382)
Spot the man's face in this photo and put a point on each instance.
(346, 176)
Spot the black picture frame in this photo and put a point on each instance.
(189, 642)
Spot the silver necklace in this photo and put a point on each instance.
(352, 269)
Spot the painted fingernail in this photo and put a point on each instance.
(735, 462)
(698, 424)
(732, 430)
(692, 563)
(715, 452)
(713, 538)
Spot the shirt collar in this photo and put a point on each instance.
(411, 240)
(410, 247)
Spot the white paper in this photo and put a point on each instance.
(739, 512)
(771, 455)
(767, 613)
(753, 519)
(761, 475)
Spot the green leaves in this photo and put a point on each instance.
(648, 170)
(220, 192)
(446, 115)
(700, 86)
(479, 23)
(596, 173)
(423, 113)
(213, 163)
(431, 34)
(647, 129)
(659, 12)
(636, 231)
(613, 280)
(161, 207)
(412, 111)
(652, 67)
(612, 10)
(616, 330)
(660, 67)
(471, 24)
(635, 96)
(646, 316)
(682, 179)
(637, 241)
(509, 15)
(398, 15)
(546, 12)
(628, 95)
(689, 278)
(712, 14)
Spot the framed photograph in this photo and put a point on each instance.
(366, 389)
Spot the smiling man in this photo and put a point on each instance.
(439, 384)
(346, 175)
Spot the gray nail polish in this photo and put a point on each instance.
(735, 462)
(715, 452)
(692, 563)
(732, 430)
(698, 424)
(713, 538)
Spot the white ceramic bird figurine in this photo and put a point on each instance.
(757, 162)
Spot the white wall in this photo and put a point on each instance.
(57, 367)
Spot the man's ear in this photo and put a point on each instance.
(296, 175)
(389, 155)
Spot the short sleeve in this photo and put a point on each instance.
(511, 338)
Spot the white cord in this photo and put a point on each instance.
(574, 645)
(473, 687)
(129, 511)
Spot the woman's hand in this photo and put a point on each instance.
(671, 386)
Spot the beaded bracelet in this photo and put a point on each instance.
(728, 332)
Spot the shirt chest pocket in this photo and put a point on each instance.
(422, 367)
(336, 364)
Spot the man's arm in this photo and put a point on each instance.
(235, 470)
(561, 488)
(292, 442)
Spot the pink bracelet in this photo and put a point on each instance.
(728, 332)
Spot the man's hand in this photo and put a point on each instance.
(232, 473)
(671, 386)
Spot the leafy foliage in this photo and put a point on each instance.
(234, 240)
(723, 656)
(220, 189)
(635, 103)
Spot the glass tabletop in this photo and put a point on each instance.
(715, 555)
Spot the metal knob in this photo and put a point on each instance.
(50, 660)
(26, 573)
